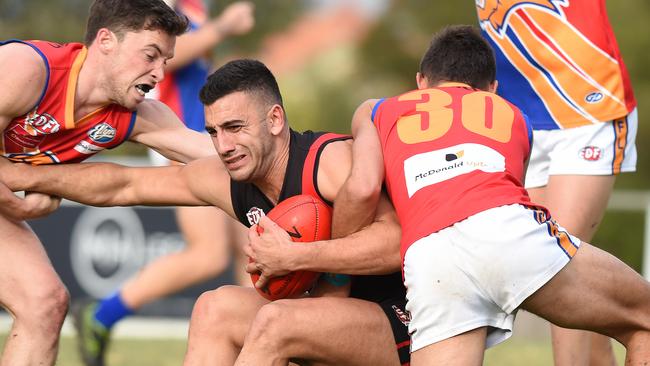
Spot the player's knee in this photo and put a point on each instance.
(270, 325)
(213, 309)
(46, 307)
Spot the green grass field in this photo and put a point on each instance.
(139, 352)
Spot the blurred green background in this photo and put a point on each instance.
(322, 91)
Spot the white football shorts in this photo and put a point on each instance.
(477, 272)
(600, 149)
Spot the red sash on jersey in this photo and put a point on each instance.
(309, 170)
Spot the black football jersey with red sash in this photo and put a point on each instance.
(249, 204)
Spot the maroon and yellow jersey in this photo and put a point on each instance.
(450, 152)
(49, 134)
(557, 60)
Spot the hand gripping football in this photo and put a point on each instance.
(305, 219)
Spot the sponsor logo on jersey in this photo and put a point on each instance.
(594, 97)
(87, 148)
(496, 12)
(102, 133)
(433, 167)
(43, 124)
(18, 135)
(403, 315)
(254, 215)
(591, 153)
(452, 157)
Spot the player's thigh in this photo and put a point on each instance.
(338, 331)
(594, 291)
(25, 269)
(464, 349)
(578, 202)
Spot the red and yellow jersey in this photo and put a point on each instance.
(49, 134)
(450, 152)
(557, 60)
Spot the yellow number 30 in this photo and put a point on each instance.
(481, 113)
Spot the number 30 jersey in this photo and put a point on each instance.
(450, 152)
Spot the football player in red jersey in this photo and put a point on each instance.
(559, 62)
(209, 233)
(62, 103)
(475, 249)
(260, 162)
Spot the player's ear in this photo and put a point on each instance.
(276, 118)
(493, 86)
(105, 40)
(421, 81)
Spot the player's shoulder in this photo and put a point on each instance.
(21, 59)
(335, 150)
(20, 50)
(25, 71)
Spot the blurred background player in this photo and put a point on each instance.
(208, 232)
(559, 62)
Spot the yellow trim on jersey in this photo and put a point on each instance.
(72, 88)
(71, 91)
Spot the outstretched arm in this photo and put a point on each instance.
(106, 184)
(357, 200)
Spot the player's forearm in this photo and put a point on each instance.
(354, 207)
(97, 184)
(373, 250)
(193, 45)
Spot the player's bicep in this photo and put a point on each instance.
(334, 167)
(367, 153)
(158, 186)
(209, 182)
